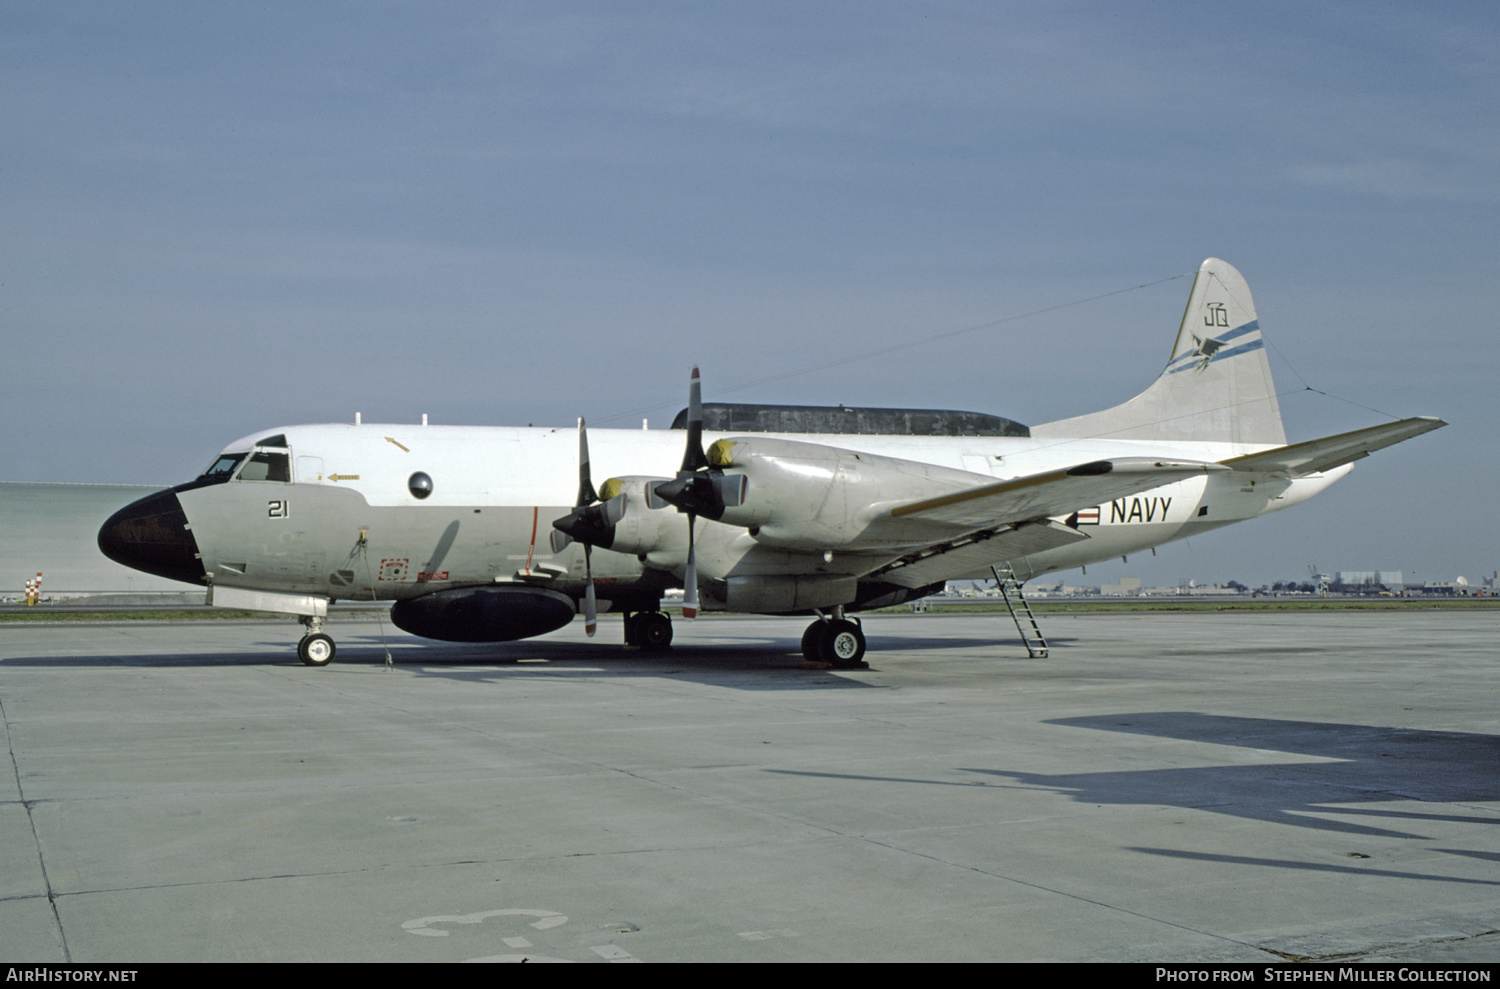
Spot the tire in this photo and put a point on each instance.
(655, 631)
(812, 642)
(316, 650)
(843, 644)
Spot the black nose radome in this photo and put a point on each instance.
(152, 535)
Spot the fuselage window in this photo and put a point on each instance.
(266, 466)
(223, 468)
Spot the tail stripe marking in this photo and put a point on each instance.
(1196, 358)
(1243, 348)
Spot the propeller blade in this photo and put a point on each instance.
(694, 458)
(690, 577)
(586, 494)
(731, 489)
(614, 509)
(590, 606)
(590, 523)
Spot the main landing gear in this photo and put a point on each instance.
(836, 640)
(315, 649)
(650, 631)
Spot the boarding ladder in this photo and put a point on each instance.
(1031, 633)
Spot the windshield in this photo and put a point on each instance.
(222, 468)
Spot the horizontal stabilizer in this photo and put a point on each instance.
(1329, 452)
(1053, 493)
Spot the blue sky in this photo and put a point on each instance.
(216, 218)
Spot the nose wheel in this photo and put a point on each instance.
(315, 649)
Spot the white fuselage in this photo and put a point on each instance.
(348, 525)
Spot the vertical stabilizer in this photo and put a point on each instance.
(1216, 385)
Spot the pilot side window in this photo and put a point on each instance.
(266, 466)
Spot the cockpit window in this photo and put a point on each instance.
(223, 468)
(279, 441)
(267, 466)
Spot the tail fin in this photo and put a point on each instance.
(1216, 385)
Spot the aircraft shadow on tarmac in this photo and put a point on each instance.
(771, 663)
(1372, 765)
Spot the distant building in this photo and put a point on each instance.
(1128, 586)
(1372, 580)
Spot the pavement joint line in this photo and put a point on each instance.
(35, 838)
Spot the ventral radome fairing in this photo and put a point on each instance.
(484, 534)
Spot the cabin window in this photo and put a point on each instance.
(267, 466)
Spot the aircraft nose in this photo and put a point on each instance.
(152, 535)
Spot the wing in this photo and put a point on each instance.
(893, 513)
(1329, 452)
(1056, 492)
(966, 531)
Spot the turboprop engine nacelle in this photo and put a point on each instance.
(642, 530)
(800, 494)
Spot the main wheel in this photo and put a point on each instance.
(655, 631)
(316, 650)
(842, 644)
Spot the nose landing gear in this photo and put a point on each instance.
(315, 649)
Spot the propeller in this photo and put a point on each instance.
(698, 490)
(591, 523)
